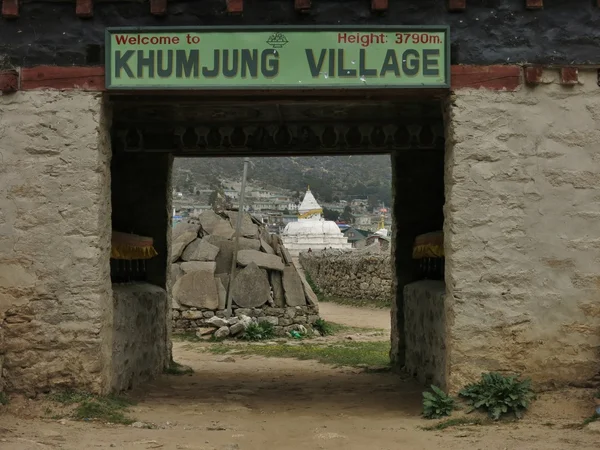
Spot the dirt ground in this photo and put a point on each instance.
(257, 403)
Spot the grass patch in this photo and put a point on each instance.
(110, 408)
(449, 423)
(178, 369)
(185, 337)
(359, 303)
(3, 399)
(344, 354)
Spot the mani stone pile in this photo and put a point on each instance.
(266, 287)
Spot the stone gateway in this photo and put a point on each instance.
(502, 158)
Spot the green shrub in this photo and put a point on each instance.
(437, 404)
(324, 327)
(498, 395)
(259, 331)
(3, 399)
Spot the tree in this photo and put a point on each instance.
(330, 214)
(347, 215)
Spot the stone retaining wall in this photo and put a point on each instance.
(350, 274)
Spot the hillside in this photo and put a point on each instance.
(328, 176)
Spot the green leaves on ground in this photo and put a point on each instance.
(499, 395)
(259, 331)
(437, 404)
(109, 408)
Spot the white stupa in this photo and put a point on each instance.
(312, 231)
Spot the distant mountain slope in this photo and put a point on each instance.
(328, 176)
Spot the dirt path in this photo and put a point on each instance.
(356, 317)
(256, 403)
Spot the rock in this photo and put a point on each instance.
(197, 266)
(183, 227)
(197, 289)
(311, 297)
(262, 260)
(248, 229)
(277, 286)
(251, 287)
(227, 359)
(222, 332)
(232, 321)
(215, 225)
(217, 322)
(176, 273)
(225, 256)
(244, 320)
(292, 287)
(265, 247)
(208, 314)
(204, 331)
(243, 312)
(191, 314)
(236, 328)
(200, 250)
(179, 244)
(222, 293)
(593, 427)
(283, 252)
(269, 319)
(285, 322)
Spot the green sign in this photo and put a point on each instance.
(277, 58)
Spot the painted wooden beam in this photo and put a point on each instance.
(457, 5)
(9, 81)
(84, 8)
(158, 7)
(495, 78)
(569, 75)
(10, 9)
(533, 75)
(379, 5)
(68, 78)
(235, 6)
(498, 77)
(302, 5)
(534, 4)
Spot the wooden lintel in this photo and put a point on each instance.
(495, 78)
(302, 5)
(533, 75)
(10, 9)
(84, 8)
(9, 81)
(64, 78)
(534, 4)
(379, 5)
(457, 5)
(235, 6)
(569, 75)
(158, 7)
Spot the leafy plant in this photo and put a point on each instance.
(259, 331)
(324, 327)
(110, 408)
(3, 399)
(498, 395)
(437, 404)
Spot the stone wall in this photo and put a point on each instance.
(55, 292)
(140, 349)
(351, 274)
(522, 234)
(425, 331)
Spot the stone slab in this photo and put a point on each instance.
(197, 289)
(225, 255)
(200, 250)
(265, 247)
(197, 266)
(262, 260)
(249, 228)
(277, 287)
(180, 243)
(222, 293)
(250, 288)
(292, 287)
